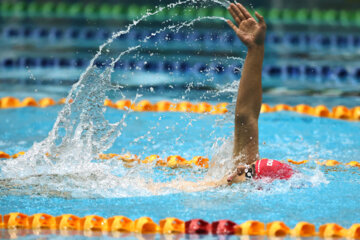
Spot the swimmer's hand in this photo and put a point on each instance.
(249, 31)
(237, 176)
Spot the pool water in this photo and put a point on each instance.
(318, 195)
(71, 179)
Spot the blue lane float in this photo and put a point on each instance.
(296, 41)
(314, 73)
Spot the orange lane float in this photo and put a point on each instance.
(94, 225)
(332, 230)
(184, 107)
(10, 102)
(200, 161)
(143, 106)
(277, 229)
(4, 155)
(354, 231)
(220, 108)
(42, 220)
(203, 107)
(304, 229)
(321, 111)
(297, 162)
(120, 224)
(338, 112)
(16, 220)
(176, 161)
(355, 113)
(304, 109)
(171, 226)
(329, 163)
(151, 158)
(282, 107)
(353, 164)
(164, 106)
(341, 112)
(68, 222)
(265, 108)
(46, 102)
(29, 102)
(129, 158)
(250, 228)
(123, 104)
(109, 103)
(145, 225)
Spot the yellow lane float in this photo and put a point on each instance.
(145, 225)
(16, 220)
(120, 224)
(93, 225)
(123, 104)
(282, 107)
(341, 112)
(46, 102)
(277, 229)
(68, 222)
(176, 161)
(304, 229)
(29, 102)
(171, 226)
(9, 102)
(304, 109)
(297, 162)
(4, 155)
(321, 111)
(332, 230)
(250, 228)
(41, 221)
(338, 112)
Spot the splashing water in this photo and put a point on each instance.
(63, 163)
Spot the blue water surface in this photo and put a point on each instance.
(323, 194)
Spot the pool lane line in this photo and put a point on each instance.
(176, 161)
(93, 225)
(337, 112)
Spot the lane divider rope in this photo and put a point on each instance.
(176, 161)
(337, 112)
(170, 225)
(225, 40)
(318, 74)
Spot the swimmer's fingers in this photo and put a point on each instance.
(244, 11)
(236, 13)
(232, 25)
(260, 18)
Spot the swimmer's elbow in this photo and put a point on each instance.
(245, 118)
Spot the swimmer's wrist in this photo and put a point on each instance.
(256, 48)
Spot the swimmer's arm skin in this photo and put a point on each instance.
(248, 104)
(188, 186)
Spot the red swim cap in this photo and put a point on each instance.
(267, 168)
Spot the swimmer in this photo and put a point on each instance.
(248, 164)
(248, 103)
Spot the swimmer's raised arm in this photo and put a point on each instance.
(248, 104)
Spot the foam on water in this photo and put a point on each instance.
(63, 163)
